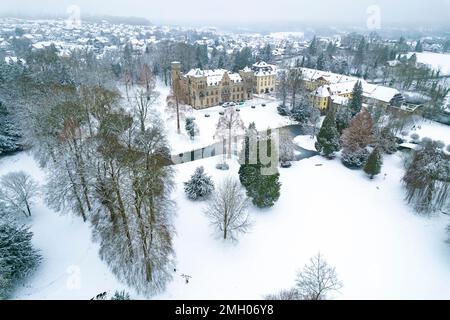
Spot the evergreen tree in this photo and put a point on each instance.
(191, 127)
(419, 46)
(313, 46)
(18, 258)
(200, 186)
(374, 163)
(321, 62)
(264, 189)
(387, 141)
(283, 110)
(357, 98)
(9, 134)
(328, 137)
(343, 118)
(427, 179)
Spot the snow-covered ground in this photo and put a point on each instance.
(437, 61)
(306, 142)
(71, 267)
(431, 129)
(264, 117)
(380, 248)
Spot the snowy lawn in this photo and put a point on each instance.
(306, 142)
(264, 117)
(71, 267)
(430, 129)
(380, 248)
(436, 61)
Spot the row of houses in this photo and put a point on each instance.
(332, 89)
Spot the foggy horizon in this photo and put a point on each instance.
(235, 14)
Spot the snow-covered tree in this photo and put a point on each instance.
(282, 89)
(343, 118)
(328, 138)
(18, 258)
(227, 210)
(356, 138)
(121, 295)
(9, 133)
(200, 186)
(191, 127)
(374, 163)
(18, 191)
(285, 294)
(228, 127)
(357, 98)
(386, 140)
(427, 179)
(286, 148)
(317, 280)
(262, 187)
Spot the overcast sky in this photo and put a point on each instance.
(246, 12)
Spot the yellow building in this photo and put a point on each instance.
(206, 88)
(327, 88)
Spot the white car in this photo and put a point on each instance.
(228, 104)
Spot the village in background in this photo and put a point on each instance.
(146, 161)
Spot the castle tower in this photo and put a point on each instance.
(176, 71)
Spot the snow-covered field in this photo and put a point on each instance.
(431, 129)
(437, 61)
(381, 249)
(71, 267)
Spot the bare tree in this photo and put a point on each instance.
(285, 294)
(229, 125)
(286, 148)
(295, 84)
(317, 279)
(144, 99)
(176, 105)
(17, 190)
(227, 209)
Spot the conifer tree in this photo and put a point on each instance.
(18, 258)
(328, 137)
(374, 163)
(200, 186)
(357, 99)
(264, 189)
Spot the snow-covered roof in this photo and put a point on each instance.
(264, 69)
(332, 78)
(13, 60)
(377, 92)
(342, 87)
(213, 77)
(339, 100)
(322, 92)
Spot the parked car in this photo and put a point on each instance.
(221, 113)
(207, 115)
(263, 105)
(237, 109)
(228, 104)
(253, 107)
